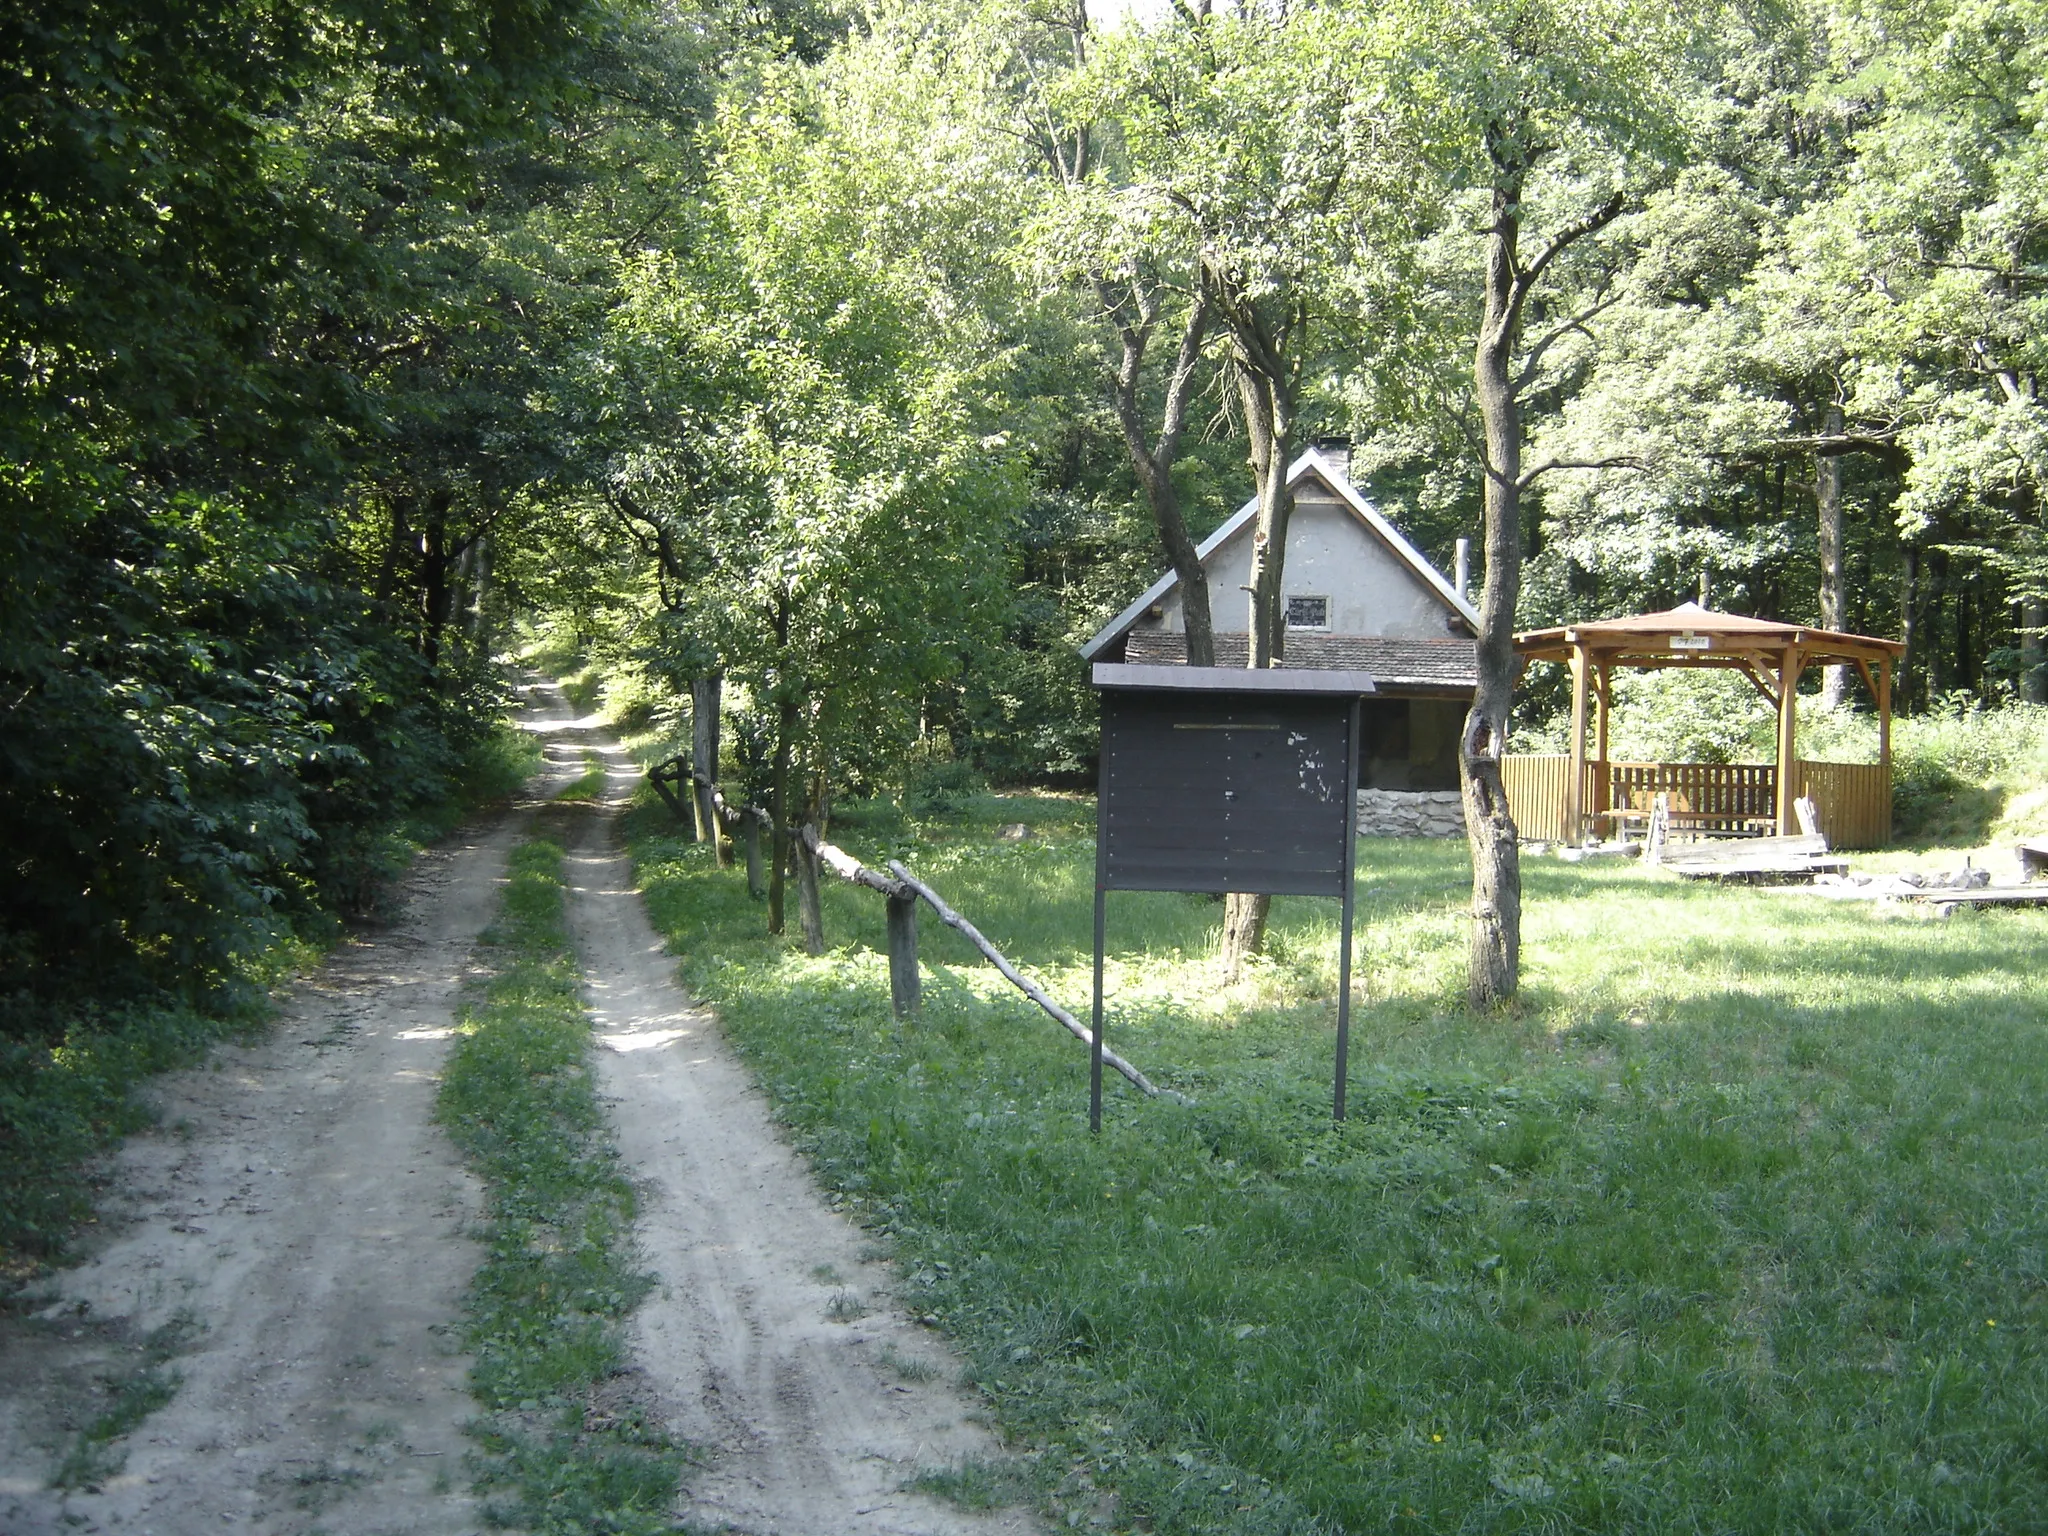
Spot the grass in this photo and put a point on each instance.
(133, 1396)
(544, 1314)
(1737, 1225)
(589, 784)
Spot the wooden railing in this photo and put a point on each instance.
(1721, 799)
(1854, 799)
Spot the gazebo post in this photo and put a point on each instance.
(1788, 737)
(1575, 786)
(1603, 788)
(1884, 731)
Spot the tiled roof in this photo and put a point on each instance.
(1438, 665)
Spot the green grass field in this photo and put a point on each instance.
(1741, 1224)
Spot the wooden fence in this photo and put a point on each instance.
(1536, 793)
(1854, 799)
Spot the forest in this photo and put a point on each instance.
(861, 360)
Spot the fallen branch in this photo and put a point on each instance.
(1016, 978)
(848, 868)
(732, 815)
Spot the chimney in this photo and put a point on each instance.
(1336, 452)
(1463, 569)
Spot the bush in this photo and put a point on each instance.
(1962, 771)
(940, 788)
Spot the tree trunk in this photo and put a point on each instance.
(1269, 422)
(483, 565)
(2033, 650)
(1834, 595)
(705, 696)
(1154, 465)
(1244, 930)
(1496, 940)
(1269, 416)
(1909, 595)
(434, 564)
(396, 549)
(778, 809)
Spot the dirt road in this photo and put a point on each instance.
(294, 1236)
(775, 1343)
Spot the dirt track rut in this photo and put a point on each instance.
(300, 1223)
(776, 1342)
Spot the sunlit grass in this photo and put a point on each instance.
(1736, 1225)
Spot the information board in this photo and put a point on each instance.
(1228, 779)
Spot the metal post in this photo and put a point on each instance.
(1344, 932)
(1095, 1025)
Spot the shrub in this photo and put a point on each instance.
(940, 788)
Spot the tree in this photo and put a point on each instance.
(1547, 113)
(827, 510)
(197, 698)
(1245, 162)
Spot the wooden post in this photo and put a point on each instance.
(1884, 736)
(1575, 785)
(756, 886)
(1789, 669)
(1603, 777)
(810, 912)
(905, 985)
(658, 776)
(1023, 983)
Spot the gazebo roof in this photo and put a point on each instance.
(1692, 636)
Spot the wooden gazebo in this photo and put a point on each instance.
(1855, 799)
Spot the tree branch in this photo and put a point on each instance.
(1544, 467)
(1570, 235)
(1577, 323)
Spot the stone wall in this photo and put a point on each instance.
(1410, 813)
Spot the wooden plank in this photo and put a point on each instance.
(1744, 850)
(1779, 866)
(1991, 896)
(1017, 979)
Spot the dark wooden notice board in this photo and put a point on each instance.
(1215, 782)
(1227, 779)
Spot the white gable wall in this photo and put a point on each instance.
(1330, 553)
